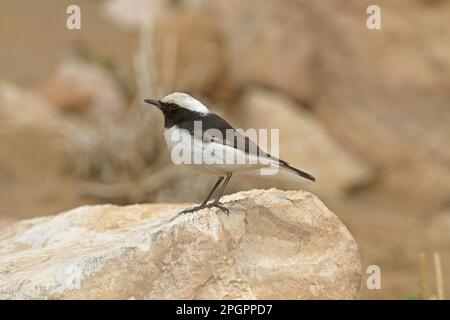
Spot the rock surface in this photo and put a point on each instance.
(273, 245)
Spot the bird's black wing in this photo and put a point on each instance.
(216, 129)
(228, 135)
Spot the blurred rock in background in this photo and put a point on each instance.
(367, 112)
(33, 166)
(86, 88)
(304, 143)
(21, 109)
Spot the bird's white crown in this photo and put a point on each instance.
(185, 101)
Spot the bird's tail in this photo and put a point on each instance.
(286, 166)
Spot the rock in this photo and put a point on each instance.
(86, 88)
(273, 245)
(437, 233)
(21, 109)
(189, 53)
(33, 162)
(268, 43)
(304, 142)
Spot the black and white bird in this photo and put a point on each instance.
(182, 114)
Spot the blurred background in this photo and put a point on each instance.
(366, 111)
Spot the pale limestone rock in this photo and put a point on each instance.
(273, 245)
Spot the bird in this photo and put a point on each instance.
(191, 128)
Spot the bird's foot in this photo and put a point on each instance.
(216, 204)
(191, 210)
(219, 205)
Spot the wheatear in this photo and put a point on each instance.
(209, 142)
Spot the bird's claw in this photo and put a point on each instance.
(219, 205)
(216, 204)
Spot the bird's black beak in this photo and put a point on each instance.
(154, 102)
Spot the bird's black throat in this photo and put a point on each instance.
(174, 114)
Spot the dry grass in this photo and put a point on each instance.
(124, 161)
(423, 276)
(127, 161)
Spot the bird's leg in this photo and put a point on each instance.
(229, 175)
(212, 191)
(216, 203)
(204, 203)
